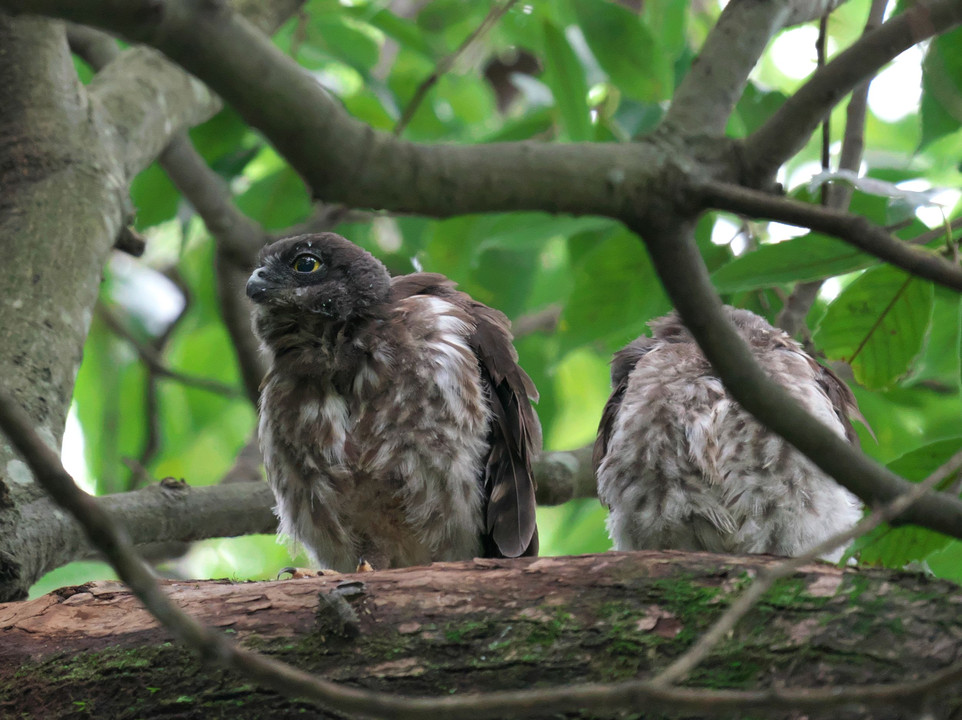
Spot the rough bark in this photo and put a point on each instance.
(67, 155)
(486, 625)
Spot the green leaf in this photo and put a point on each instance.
(527, 230)
(800, 259)
(345, 39)
(626, 49)
(276, 201)
(154, 196)
(894, 547)
(616, 292)
(575, 528)
(877, 324)
(566, 78)
(940, 363)
(941, 108)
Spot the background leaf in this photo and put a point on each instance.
(877, 325)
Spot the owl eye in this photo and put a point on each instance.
(306, 263)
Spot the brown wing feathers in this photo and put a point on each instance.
(515, 433)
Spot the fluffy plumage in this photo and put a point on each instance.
(681, 465)
(395, 421)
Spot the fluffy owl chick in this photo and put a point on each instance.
(681, 465)
(395, 422)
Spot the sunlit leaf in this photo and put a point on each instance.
(565, 77)
(631, 55)
(894, 547)
(800, 259)
(941, 110)
(877, 325)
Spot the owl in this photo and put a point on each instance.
(681, 465)
(395, 422)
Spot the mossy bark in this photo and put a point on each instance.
(487, 625)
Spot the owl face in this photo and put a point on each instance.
(322, 275)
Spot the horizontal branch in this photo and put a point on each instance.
(345, 160)
(214, 646)
(146, 99)
(789, 128)
(852, 229)
(685, 277)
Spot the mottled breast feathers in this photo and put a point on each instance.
(395, 420)
(681, 465)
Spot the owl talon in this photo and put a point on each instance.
(296, 573)
(364, 566)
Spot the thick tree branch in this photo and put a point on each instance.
(691, 658)
(789, 128)
(343, 159)
(853, 229)
(683, 273)
(213, 646)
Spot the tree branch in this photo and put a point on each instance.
(789, 128)
(343, 159)
(156, 365)
(670, 242)
(852, 229)
(707, 95)
(691, 658)
(213, 646)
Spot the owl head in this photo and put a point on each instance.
(320, 274)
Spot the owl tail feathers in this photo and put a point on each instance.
(510, 522)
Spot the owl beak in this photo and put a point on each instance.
(258, 285)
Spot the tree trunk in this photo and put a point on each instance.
(480, 626)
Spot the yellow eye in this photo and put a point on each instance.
(306, 263)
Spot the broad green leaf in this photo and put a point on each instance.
(401, 29)
(345, 39)
(626, 49)
(809, 257)
(753, 108)
(939, 364)
(941, 109)
(566, 78)
(877, 324)
(276, 201)
(894, 547)
(524, 230)
(110, 406)
(154, 197)
(616, 292)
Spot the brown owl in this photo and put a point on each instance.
(395, 421)
(681, 465)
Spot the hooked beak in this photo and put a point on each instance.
(258, 286)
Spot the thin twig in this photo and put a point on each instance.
(836, 195)
(156, 365)
(789, 127)
(852, 229)
(446, 63)
(826, 122)
(691, 658)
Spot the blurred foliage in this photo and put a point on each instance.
(563, 70)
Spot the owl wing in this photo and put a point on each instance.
(514, 434)
(622, 364)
